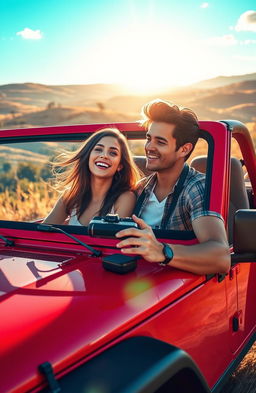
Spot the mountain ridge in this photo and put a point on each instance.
(31, 104)
(222, 80)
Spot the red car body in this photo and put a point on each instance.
(58, 304)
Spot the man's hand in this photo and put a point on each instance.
(141, 242)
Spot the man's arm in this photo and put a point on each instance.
(211, 255)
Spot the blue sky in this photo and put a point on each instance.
(143, 44)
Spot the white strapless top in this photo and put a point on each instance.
(74, 219)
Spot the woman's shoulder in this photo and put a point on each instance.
(127, 195)
(124, 205)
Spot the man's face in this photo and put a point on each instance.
(160, 147)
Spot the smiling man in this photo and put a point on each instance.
(172, 197)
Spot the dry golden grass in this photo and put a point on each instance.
(243, 379)
(31, 205)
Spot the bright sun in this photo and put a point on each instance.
(146, 58)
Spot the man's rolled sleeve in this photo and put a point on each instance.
(196, 202)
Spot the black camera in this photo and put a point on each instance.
(109, 225)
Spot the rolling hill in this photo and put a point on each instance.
(30, 104)
(224, 81)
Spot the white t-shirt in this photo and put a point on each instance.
(153, 212)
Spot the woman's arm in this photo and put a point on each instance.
(124, 205)
(58, 213)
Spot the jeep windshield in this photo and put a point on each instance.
(27, 192)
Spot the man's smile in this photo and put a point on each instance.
(151, 156)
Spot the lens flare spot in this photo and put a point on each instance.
(139, 292)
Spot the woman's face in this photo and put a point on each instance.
(105, 157)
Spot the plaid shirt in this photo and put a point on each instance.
(190, 203)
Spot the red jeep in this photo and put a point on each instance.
(70, 325)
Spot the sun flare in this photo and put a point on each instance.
(145, 60)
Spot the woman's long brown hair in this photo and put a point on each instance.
(76, 179)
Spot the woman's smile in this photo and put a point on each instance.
(102, 165)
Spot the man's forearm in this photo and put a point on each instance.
(203, 258)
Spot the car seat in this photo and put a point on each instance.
(238, 195)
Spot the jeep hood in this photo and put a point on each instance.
(62, 307)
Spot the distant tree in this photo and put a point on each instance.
(101, 106)
(12, 112)
(27, 171)
(51, 105)
(6, 167)
(45, 172)
(7, 181)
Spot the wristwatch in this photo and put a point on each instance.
(168, 254)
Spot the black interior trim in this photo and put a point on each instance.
(208, 180)
(63, 137)
(242, 258)
(46, 138)
(82, 230)
(227, 124)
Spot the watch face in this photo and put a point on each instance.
(168, 253)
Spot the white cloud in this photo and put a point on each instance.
(29, 34)
(228, 40)
(247, 21)
(248, 42)
(225, 40)
(204, 5)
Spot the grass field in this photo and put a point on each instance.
(243, 380)
(33, 204)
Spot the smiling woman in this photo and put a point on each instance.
(98, 178)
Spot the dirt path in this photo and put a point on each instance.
(243, 380)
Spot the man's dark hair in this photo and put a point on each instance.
(185, 120)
